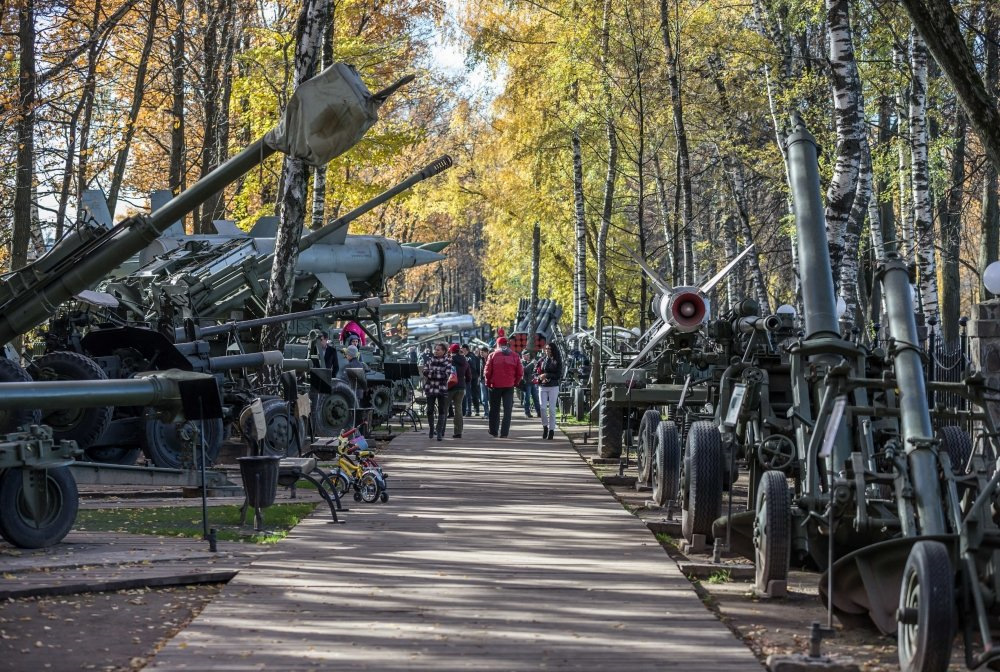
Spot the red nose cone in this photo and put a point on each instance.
(687, 311)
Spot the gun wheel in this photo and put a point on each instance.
(958, 445)
(609, 440)
(83, 425)
(646, 446)
(772, 531)
(12, 419)
(45, 521)
(165, 443)
(666, 463)
(926, 616)
(702, 480)
(332, 413)
(285, 435)
(381, 401)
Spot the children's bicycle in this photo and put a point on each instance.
(357, 469)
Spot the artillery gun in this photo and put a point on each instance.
(890, 497)
(38, 494)
(548, 314)
(31, 295)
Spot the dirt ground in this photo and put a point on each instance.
(778, 626)
(99, 631)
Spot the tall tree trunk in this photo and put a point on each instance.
(536, 242)
(922, 218)
(989, 246)
(951, 237)
(319, 174)
(580, 275)
(666, 265)
(177, 179)
(907, 234)
(683, 155)
(846, 104)
(138, 91)
(308, 43)
(25, 129)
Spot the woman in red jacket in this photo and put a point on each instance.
(503, 372)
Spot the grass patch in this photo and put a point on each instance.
(185, 521)
(666, 539)
(571, 421)
(719, 577)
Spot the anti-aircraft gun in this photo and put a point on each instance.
(29, 296)
(890, 497)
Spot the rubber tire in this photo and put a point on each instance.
(926, 646)
(381, 401)
(14, 419)
(161, 446)
(327, 425)
(703, 477)
(666, 463)
(384, 497)
(774, 514)
(958, 444)
(277, 441)
(610, 428)
(123, 455)
(646, 447)
(87, 424)
(370, 487)
(342, 484)
(579, 404)
(17, 530)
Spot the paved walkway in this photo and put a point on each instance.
(491, 554)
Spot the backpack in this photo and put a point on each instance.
(452, 377)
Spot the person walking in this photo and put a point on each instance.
(456, 394)
(484, 392)
(472, 387)
(435, 375)
(528, 386)
(548, 372)
(503, 372)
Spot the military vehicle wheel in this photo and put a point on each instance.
(126, 455)
(332, 413)
(163, 442)
(609, 439)
(83, 425)
(11, 420)
(280, 440)
(666, 463)
(957, 443)
(772, 530)
(381, 401)
(646, 446)
(53, 516)
(926, 622)
(702, 480)
(579, 404)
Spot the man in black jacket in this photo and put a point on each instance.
(472, 389)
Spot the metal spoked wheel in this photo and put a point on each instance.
(167, 444)
(43, 520)
(772, 531)
(702, 480)
(926, 620)
(342, 484)
(666, 463)
(610, 438)
(646, 446)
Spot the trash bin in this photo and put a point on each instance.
(260, 479)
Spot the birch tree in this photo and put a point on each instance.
(950, 208)
(308, 42)
(580, 228)
(922, 218)
(989, 247)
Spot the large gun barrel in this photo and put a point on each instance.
(192, 332)
(748, 325)
(818, 300)
(250, 360)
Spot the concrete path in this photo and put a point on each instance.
(492, 554)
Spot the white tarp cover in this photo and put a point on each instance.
(326, 116)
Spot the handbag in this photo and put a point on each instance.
(452, 378)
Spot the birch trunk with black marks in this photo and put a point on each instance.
(906, 241)
(846, 105)
(666, 264)
(989, 245)
(580, 228)
(319, 174)
(683, 155)
(308, 43)
(138, 93)
(950, 208)
(923, 222)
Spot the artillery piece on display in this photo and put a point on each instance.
(31, 295)
(547, 316)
